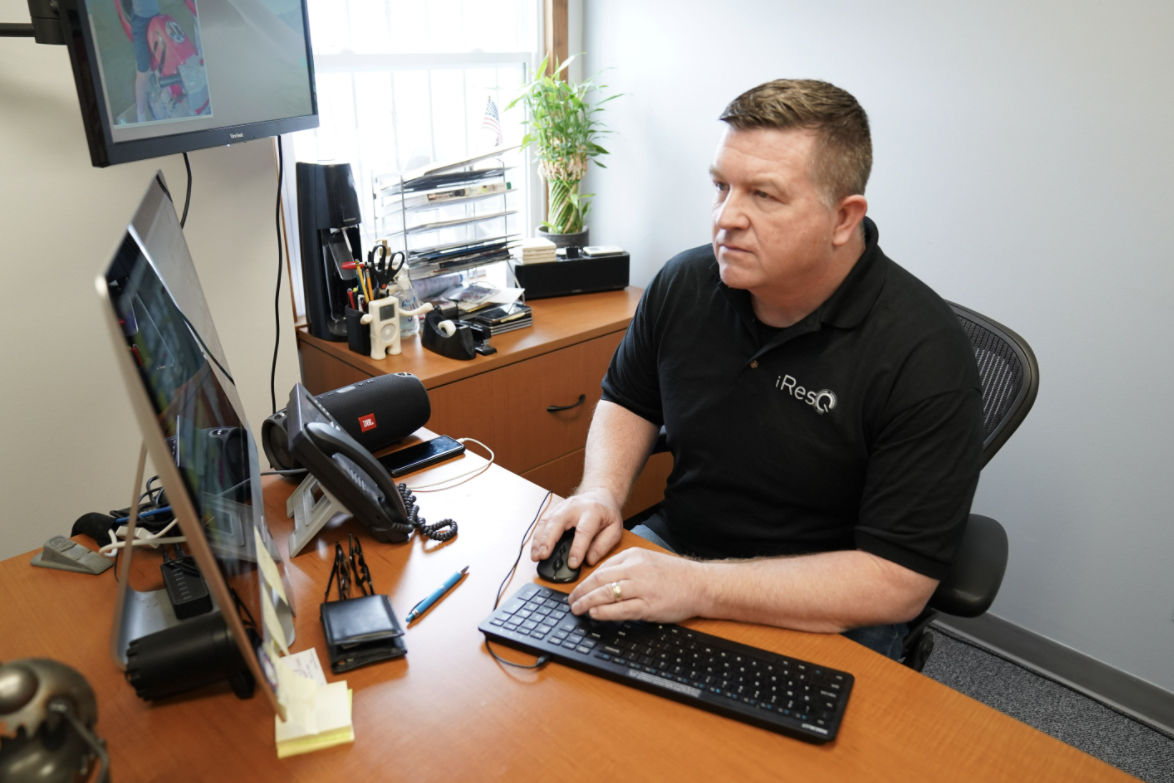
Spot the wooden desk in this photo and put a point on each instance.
(448, 712)
(502, 399)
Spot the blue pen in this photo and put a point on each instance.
(422, 607)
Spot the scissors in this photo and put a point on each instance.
(384, 264)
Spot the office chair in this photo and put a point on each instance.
(1009, 375)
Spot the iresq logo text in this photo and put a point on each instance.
(823, 400)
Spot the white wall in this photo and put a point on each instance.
(68, 442)
(1023, 167)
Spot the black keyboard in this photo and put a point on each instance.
(781, 694)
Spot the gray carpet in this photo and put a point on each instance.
(1052, 708)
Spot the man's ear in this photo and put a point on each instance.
(849, 213)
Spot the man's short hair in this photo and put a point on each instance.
(843, 153)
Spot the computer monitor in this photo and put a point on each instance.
(157, 77)
(193, 425)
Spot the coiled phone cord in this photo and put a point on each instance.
(441, 531)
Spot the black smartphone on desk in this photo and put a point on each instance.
(400, 463)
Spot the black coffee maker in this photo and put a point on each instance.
(328, 217)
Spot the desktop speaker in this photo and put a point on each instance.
(573, 276)
(377, 412)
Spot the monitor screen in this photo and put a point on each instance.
(156, 77)
(193, 423)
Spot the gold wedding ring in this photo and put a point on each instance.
(617, 594)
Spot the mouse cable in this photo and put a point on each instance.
(277, 293)
(542, 659)
(187, 202)
(448, 483)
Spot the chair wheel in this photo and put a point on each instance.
(921, 652)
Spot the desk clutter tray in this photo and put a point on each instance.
(785, 695)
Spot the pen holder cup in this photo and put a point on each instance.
(358, 335)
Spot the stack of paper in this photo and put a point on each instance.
(537, 251)
(318, 714)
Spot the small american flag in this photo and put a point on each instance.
(492, 122)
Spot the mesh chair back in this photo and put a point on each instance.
(1009, 375)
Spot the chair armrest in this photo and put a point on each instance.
(970, 587)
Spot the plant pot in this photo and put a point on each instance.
(565, 240)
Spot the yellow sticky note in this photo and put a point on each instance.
(268, 568)
(272, 624)
(331, 721)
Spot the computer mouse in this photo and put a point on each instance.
(555, 568)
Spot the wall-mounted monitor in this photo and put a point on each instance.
(158, 77)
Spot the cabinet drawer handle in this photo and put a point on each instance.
(557, 408)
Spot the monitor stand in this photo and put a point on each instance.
(138, 613)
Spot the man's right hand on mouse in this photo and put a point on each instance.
(596, 517)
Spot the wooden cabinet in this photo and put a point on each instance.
(505, 400)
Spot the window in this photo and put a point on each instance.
(402, 84)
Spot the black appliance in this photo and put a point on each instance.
(573, 276)
(328, 218)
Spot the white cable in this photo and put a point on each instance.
(142, 538)
(447, 483)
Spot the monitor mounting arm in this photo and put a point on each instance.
(46, 25)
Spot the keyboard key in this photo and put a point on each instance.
(583, 649)
(498, 622)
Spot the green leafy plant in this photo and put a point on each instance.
(563, 129)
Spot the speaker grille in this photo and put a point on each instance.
(380, 411)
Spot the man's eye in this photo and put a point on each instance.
(761, 194)
(721, 186)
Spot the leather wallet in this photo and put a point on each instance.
(360, 631)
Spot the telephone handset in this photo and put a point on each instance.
(353, 476)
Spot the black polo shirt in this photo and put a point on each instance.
(859, 427)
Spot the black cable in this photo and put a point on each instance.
(277, 293)
(153, 493)
(204, 345)
(542, 659)
(187, 202)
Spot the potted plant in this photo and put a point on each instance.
(563, 129)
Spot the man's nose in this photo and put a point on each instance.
(731, 212)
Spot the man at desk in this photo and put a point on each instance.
(822, 405)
